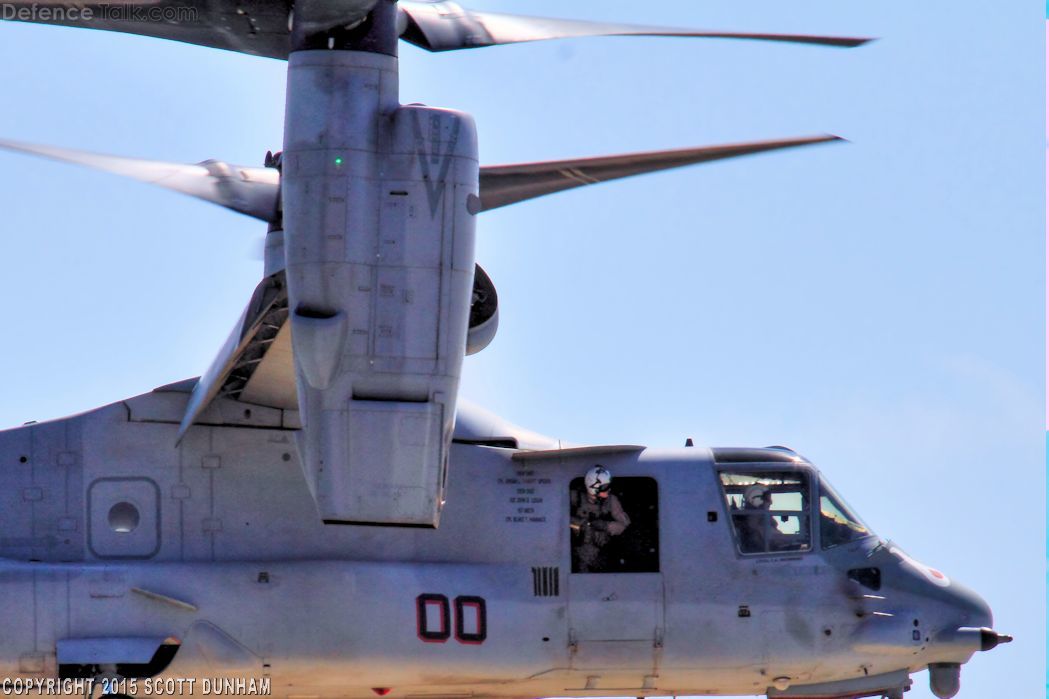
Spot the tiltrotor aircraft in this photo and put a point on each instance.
(318, 516)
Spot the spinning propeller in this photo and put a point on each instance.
(445, 26)
(434, 26)
(255, 191)
(274, 28)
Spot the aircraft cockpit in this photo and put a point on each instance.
(772, 510)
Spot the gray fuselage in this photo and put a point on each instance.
(227, 557)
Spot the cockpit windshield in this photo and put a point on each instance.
(838, 524)
(769, 509)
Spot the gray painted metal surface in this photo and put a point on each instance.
(379, 241)
(230, 558)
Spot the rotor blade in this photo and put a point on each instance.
(248, 190)
(509, 184)
(256, 191)
(445, 26)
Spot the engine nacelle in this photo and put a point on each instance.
(379, 202)
(484, 313)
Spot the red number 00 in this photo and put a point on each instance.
(432, 619)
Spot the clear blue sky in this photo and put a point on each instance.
(876, 305)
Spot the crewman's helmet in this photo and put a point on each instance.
(757, 497)
(598, 480)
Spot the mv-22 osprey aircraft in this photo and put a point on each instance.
(318, 517)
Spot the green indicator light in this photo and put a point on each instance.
(338, 161)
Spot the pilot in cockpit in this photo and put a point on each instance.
(596, 517)
(758, 530)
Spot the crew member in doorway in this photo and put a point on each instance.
(597, 516)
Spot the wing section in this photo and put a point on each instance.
(255, 363)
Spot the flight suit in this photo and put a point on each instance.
(594, 522)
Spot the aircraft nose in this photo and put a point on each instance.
(971, 609)
(958, 606)
(973, 620)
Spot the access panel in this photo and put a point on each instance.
(124, 518)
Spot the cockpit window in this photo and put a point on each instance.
(838, 524)
(769, 510)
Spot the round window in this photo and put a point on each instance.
(123, 517)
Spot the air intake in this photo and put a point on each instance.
(546, 581)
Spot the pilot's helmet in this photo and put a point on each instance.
(598, 480)
(757, 497)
